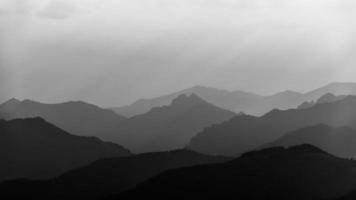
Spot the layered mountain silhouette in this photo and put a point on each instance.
(105, 177)
(169, 127)
(36, 149)
(240, 101)
(222, 98)
(337, 141)
(243, 133)
(78, 117)
(301, 172)
(162, 128)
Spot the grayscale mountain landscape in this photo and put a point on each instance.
(178, 99)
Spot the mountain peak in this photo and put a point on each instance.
(329, 97)
(184, 99)
(10, 104)
(12, 101)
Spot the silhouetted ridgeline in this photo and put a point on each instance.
(243, 133)
(302, 172)
(240, 101)
(105, 177)
(35, 149)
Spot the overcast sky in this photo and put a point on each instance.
(112, 52)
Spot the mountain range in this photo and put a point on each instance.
(244, 133)
(105, 177)
(240, 101)
(302, 172)
(36, 149)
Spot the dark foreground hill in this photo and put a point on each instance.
(337, 141)
(297, 173)
(105, 177)
(244, 133)
(35, 149)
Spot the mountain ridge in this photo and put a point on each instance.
(241, 101)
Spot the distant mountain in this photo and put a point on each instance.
(35, 149)
(301, 172)
(221, 98)
(327, 98)
(239, 101)
(337, 88)
(105, 177)
(78, 118)
(337, 141)
(169, 127)
(244, 133)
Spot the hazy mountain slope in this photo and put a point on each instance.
(106, 176)
(337, 88)
(78, 118)
(301, 172)
(337, 141)
(239, 101)
(169, 127)
(243, 133)
(33, 148)
(326, 98)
